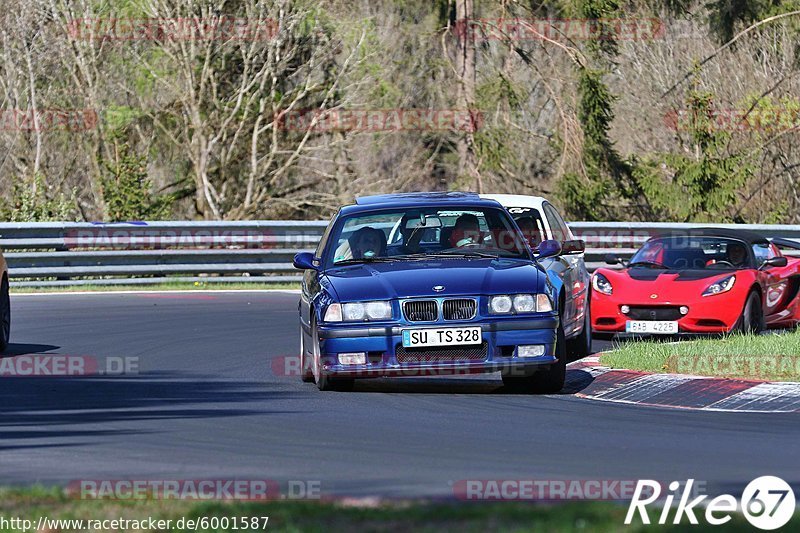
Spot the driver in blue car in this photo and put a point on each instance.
(466, 231)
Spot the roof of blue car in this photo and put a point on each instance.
(418, 199)
(421, 197)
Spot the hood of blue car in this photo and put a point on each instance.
(384, 281)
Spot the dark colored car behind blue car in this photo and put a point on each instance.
(429, 284)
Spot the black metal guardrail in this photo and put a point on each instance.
(54, 254)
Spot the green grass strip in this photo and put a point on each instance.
(770, 357)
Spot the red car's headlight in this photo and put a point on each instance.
(600, 283)
(718, 287)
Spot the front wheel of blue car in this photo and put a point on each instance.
(325, 382)
(306, 366)
(548, 381)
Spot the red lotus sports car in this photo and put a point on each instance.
(698, 281)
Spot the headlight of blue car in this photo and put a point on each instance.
(359, 311)
(506, 304)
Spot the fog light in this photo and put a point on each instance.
(625, 309)
(533, 350)
(684, 310)
(359, 358)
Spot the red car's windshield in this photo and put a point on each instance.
(695, 253)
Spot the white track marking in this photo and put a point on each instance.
(768, 397)
(785, 397)
(644, 387)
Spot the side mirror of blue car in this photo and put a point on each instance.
(549, 248)
(306, 261)
(573, 247)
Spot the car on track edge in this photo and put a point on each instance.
(699, 281)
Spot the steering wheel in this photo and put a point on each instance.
(722, 263)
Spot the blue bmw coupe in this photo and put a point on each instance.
(427, 284)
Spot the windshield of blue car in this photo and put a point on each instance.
(425, 233)
(693, 253)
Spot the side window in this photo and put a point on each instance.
(395, 235)
(324, 239)
(762, 252)
(563, 225)
(652, 252)
(557, 225)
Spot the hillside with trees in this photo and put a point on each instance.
(659, 110)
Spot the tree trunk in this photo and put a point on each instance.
(465, 70)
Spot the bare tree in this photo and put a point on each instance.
(223, 95)
(465, 72)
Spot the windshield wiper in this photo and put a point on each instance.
(410, 257)
(364, 260)
(443, 255)
(417, 257)
(650, 264)
(480, 255)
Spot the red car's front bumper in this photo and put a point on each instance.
(710, 314)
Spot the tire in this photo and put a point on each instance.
(752, 319)
(549, 381)
(5, 314)
(581, 346)
(306, 366)
(325, 383)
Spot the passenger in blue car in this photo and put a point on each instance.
(367, 242)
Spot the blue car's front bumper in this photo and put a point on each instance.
(501, 337)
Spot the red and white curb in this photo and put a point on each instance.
(588, 378)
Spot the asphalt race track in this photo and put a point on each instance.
(206, 403)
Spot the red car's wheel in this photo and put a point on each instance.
(752, 319)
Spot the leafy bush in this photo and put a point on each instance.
(33, 200)
(127, 190)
